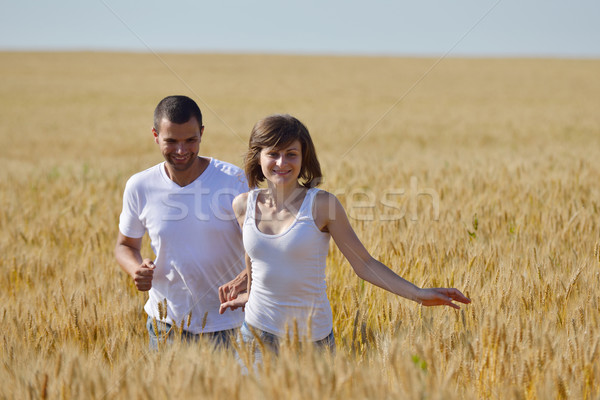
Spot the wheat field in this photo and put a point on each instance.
(480, 174)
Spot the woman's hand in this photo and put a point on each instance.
(441, 297)
(239, 301)
(231, 290)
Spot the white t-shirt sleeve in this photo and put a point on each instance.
(242, 182)
(243, 186)
(130, 224)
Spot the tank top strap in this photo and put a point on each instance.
(306, 211)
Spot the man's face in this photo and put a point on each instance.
(179, 143)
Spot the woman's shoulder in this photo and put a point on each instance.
(239, 203)
(323, 197)
(325, 207)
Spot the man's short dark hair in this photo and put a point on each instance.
(177, 109)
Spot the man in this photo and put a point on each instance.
(184, 203)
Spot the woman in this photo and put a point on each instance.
(286, 230)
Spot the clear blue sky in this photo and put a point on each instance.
(537, 28)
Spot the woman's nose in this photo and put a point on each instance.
(280, 160)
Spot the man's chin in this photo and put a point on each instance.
(177, 166)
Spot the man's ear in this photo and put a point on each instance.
(155, 133)
(201, 131)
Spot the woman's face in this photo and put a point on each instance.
(282, 166)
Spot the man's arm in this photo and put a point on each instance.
(129, 256)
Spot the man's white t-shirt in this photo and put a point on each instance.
(195, 237)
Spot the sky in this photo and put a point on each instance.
(472, 28)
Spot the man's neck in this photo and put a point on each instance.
(184, 178)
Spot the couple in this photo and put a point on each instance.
(204, 226)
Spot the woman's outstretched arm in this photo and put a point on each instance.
(331, 216)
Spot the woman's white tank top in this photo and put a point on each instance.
(288, 274)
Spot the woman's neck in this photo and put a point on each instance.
(280, 197)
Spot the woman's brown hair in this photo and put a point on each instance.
(278, 131)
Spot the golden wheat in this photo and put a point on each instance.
(510, 147)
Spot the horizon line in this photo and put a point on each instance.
(312, 53)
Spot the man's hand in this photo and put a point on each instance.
(142, 276)
(129, 257)
(239, 301)
(231, 290)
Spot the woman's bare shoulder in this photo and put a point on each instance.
(325, 199)
(239, 204)
(325, 208)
